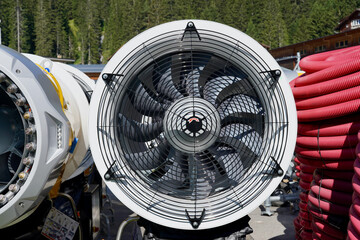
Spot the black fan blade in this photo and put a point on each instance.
(140, 132)
(146, 104)
(173, 178)
(232, 164)
(180, 161)
(245, 134)
(176, 69)
(173, 181)
(246, 153)
(166, 86)
(238, 87)
(213, 65)
(146, 78)
(192, 82)
(214, 86)
(173, 173)
(150, 159)
(202, 177)
(242, 109)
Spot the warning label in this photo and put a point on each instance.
(58, 226)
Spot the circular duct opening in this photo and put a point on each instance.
(18, 139)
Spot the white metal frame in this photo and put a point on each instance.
(48, 116)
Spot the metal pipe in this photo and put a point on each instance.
(284, 198)
(73, 205)
(123, 225)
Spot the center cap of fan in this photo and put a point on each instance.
(191, 124)
(194, 124)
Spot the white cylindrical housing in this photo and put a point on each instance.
(235, 101)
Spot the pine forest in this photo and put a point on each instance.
(90, 31)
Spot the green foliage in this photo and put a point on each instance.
(322, 19)
(91, 31)
(44, 29)
(8, 22)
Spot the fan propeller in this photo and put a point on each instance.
(188, 171)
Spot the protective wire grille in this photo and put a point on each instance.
(192, 126)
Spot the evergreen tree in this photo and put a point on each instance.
(251, 30)
(344, 7)
(62, 29)
(269, 27)
(156, 12)
(91, 31)
(182, 9)
(322, 19)
(236, 14)
(212, 11)
(27, 28)
(113, 27)
(8, 22)
(44, 29)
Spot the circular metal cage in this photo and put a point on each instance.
(190, 124)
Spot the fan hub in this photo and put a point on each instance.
(191, 124)
(194, 124)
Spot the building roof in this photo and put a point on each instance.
(92, 68)
(344, 20)
(317, 39)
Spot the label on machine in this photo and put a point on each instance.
(59, 226)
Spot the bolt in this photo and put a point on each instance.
(280, 172)
(30, 130)
(20, 102)
(195, 224)
(21, 204)
(30, 146)
(22, 176)
(17, 71)
(105, 76)
(107, 176)
(277, 73)
(28, 161)
(3, 199)
(190, 24)
(12, 88)
(27, 116)
(14, 188)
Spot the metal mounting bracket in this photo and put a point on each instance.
(190, 27)
(275, 76)
(277, 170)
(108, 77)
(195, 222)
(111, 174)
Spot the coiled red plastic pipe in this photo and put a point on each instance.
(354, 223)
(327, 98)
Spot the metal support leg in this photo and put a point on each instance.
(107, 222)
(73, 206)
(267, 205)
(123, 225)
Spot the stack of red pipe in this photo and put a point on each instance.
(328, 101)
(354, 223)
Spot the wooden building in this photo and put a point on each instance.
(92, 71)
(349, 35)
